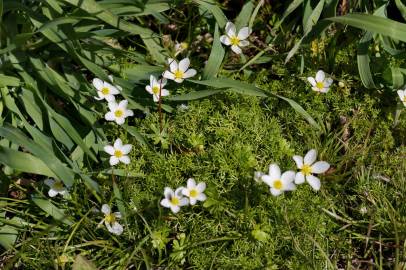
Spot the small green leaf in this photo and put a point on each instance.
(52, 210)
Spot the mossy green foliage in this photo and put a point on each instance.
(358, 214)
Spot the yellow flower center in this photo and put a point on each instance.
(58, 185)
(118, 153)
(175, 201)
(118, 113)
(404, 99)
(320, 85)
(193, 193)
(155, 89)
(110, 218)
(178, 74)
(105, 90)
(277, 184)
(234, 40)
(306, 169)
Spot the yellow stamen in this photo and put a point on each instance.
(118, 153)
(155, 89)
(306, 169)
(105, 91)
(184, 45)
(118, 113)
(234, 40)
(178, 74)
(320, 85)
(175, 201)
(110, 218)
(277, 184)
(193, 193)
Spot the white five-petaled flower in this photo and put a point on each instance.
(174, 200)
(402, 96)
(235, 40)
(110, 220)
(118, 112)
(155, 87)
(277, 181)
(320, 83)
(55, 187)
(180, 47)
(179, 72)
(258, 175)
(118, 152)
(308, 167)
(105, 90)
(194, 192)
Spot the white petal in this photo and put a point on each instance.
(225, 40)
(201, 197)
(183, 201)
(186, 192)
(320, 167)
(191, 183)
(230, 29)
(173, 65)
(243, 43)
(175, 208)
(164, 93)
(299, 161)
(236, 49)
(328, 82)
(113, 160)
(244, 33)
(152, 80)
(156, 98)
(290, 186)
(52, 192)
(165, 203)
(117, 228)
(128, 113)
(169, 75)
(49, 182)
(125, 159)
(190, 73)
(313, 181)
(401, 94)
(118, 144)
(109, 98)
(168, 192)
(109, 116)
(288, 177)
(117, 215)
(120, 120)
(267, 180)
(106, 209)
(201, 186)
(179, 80)
(310, 157)
(109, 149)
(184, 64)
(97, 83)
(112, 106)
(112, 89)
(325, 90)
(276, 192)
(312, 81)
(274, 171)
(299, 178)
(123, 104)
(178, 191)
(192, 201)
(126, 148)
(258, 176)
(320, 76)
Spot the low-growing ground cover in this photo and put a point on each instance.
(355, 221)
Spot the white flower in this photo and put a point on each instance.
(194, 192)
(155, 86)
(308, 167)
(110, 220)
(179, 72)
(402, 96)
(258, 176)
(174, 200)
(180, 47)
(277, 181)
(235, 40)
(320, 83)
(105, 90)
(118, 112)
(55, 187)
(118, 152)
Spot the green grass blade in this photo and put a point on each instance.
(314, 16)
(52, 210)
(244, 15)
(211, 6)
(216, 57)
(363, 61)
(194, 95)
